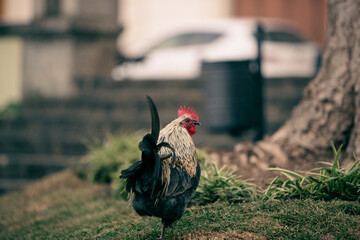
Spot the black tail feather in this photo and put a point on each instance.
(155, 122)
(144, 176)
(147, 147)
(156, 174)
(146, 173)
(130, 174)
(131, 170)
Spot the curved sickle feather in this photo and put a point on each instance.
(155, 122)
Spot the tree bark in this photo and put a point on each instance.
(330, 109)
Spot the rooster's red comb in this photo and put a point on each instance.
(189, 111)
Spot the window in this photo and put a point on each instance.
(283, 37)
(52, 8)
(188, 39)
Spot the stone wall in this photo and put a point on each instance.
(51, 134)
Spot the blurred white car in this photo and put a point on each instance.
(178, 53)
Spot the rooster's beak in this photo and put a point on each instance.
(196, 123)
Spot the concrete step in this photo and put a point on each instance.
(101, 83)
(36, 144)
(18, 170)
(118, 101)
(7, 185)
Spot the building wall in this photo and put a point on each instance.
(75, 39)
(98, 9)
(68, 8)
(99, 15)
(10, 69)
(17, 11)
(143, 17)
(48, 67)
(1, 8)
(94, 57)
(309, 15)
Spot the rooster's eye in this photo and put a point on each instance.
(187, 120)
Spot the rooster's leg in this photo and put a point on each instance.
(162, 236)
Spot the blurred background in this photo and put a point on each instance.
(73, 71)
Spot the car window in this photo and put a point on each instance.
(187, 39)
(283, 37)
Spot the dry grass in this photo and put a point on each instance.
(58, 204)
(231, 235)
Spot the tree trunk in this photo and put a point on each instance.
(330, 108)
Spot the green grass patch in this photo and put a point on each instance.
(63, 206)
(223, 185)
(324, 183)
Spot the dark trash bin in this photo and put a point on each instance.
(233, 97)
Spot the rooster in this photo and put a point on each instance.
(165, 179)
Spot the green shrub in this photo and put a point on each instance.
(12, 110)
(104, 160)
(222, 185)
(324, 183)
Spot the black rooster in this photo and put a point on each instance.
(165, 179)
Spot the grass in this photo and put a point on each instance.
(63, 206)
(324, 183)
(223, 185)
(60, 206)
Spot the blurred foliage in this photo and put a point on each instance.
(324, 183)
(105, 160)
(11, 110)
